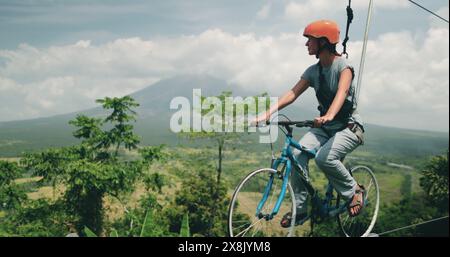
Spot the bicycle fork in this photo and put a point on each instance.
(287, 168)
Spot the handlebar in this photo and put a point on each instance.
(298, 124)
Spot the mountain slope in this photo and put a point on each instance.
(154, 117)
(152, 123)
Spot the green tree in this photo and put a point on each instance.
(11, 194)
(410, 210)
(143, 221)
(25, 217)
(146, 220)
(122, 131)
(205, 201)
(225, 121)
(86, 181)
(88, 128)
(155, 153)
(37, 218)
(420, 207)
(434, 181)
(88, 171)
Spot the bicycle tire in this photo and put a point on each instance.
(362, 224)
(242, 206)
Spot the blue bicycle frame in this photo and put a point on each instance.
(288, 161)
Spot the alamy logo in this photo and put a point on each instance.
(221, 114)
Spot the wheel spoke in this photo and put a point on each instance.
(364, 222)
(269, 204)
(244, 203)
(245, 224)
(259, 225)
(247, 229)
(368, 189)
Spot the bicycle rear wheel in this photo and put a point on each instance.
(242, 218)
(362, 225)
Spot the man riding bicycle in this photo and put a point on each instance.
(339, 129)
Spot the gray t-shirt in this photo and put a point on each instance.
(331, 77)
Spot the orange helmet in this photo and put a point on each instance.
(323, 28)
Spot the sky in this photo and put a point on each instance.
(59, 56)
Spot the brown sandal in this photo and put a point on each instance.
(287, 219)
(359, 203)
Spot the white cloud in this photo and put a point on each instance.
(263, 13)
(68, 78)
(435, 21)
(301, 11)
(7, 85)
(382, 4)
(309, 10)
(405, 81)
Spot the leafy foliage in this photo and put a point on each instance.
(147, 220)
(151, 154)
(89, 233)
(435, 181)
(11, 194)
(206, 203)
(89, 128)
(88, 171)
(122, 132)
(419, 208)
(410, 210)
(94, 169)
(155, 182)
(184, 231)
(225, 122)
(37, 218)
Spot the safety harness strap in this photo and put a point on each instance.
(349, 20)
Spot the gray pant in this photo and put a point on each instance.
(330, 152)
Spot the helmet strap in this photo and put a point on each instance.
(327, 46)
(320, 47)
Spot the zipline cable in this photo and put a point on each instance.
(363, 55)
(428, 11)
(413, 225)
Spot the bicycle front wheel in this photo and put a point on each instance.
(362, 225)
(243, 220)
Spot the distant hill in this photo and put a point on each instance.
(396, 141)
(154, 116)
(152, 124)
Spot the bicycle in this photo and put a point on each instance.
(253, 211)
